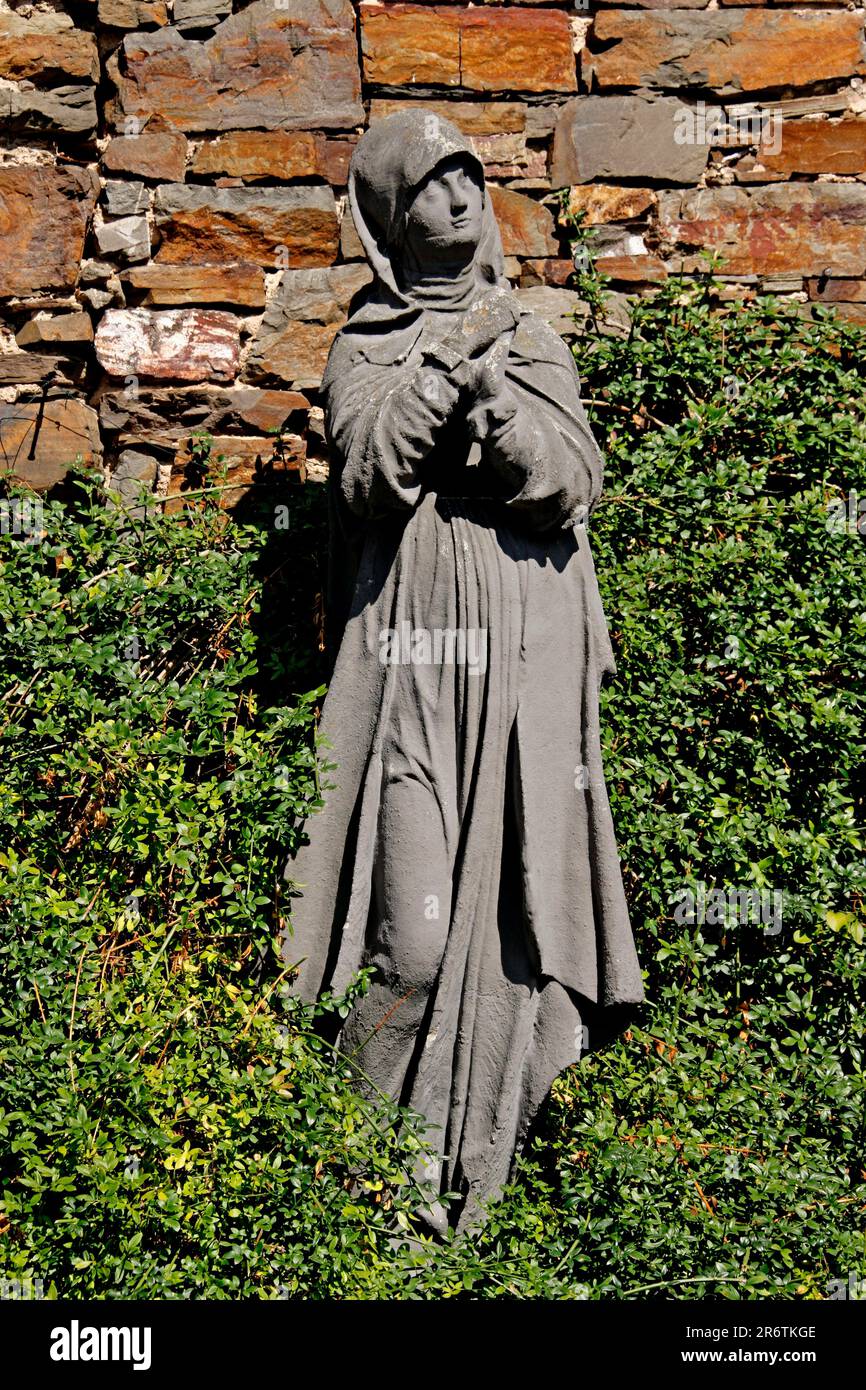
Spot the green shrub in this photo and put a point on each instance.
(718, 1149)
(170, 1126)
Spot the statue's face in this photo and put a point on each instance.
(444, 218)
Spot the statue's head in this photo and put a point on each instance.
(416, 190)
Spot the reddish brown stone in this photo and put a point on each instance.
(267, 409)
(526, 226)
(509, 157)
(472, 117)
(165, 415)
(637, 270)
(299, 325)
(39, 441)
(277, 69)
(250, 460)
(277, 227)
(44, 212)
(46, 48)
(132, 14)
(483, 50)
(796, 229)
(278, 154)
(66, 330)
(852, 312)
(350, 243)
(298, 355)
(556, 272)
(837, 291)
(242, 284)
(605, 202)
(184, 344)
(21, 368)
(810, 147)
(154, 154)
(729, 51)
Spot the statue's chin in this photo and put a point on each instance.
(452, 249)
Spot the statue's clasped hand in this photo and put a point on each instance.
(475, 354)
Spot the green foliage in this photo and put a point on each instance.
(170, 1126)
(172, 1129)
(718, 1149)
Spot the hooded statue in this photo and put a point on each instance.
(466, 848)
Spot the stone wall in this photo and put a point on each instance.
(175, 252)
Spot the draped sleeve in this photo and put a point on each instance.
(546, 450)
(384, 419)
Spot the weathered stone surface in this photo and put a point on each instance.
(729, 51)
(186, 344)
(526, 226)
(509, 157)
(131, 464)
(97, 299)
(604, 202)
(556, 306)
(31, 368)
(853, 312)
(44, 212)
(154, 154)
(250, 460)
(569, 315)
(128, 238)
(809, 147)
(279, 69)
(55, 432)
(616, 137)
(165, 416)
(266, 225)
(242, 285)
(125, 199)
(837, 291)
(69, 108)
(557, 272)
(278, 154)
(46, 48)
(798, 229)
(132, 14)
(56, 65)
(92, 271)
(350, 243)
(472, 117)
(298, 327)
(514, 49)
(640, 269)
(198, 14)
(132, 471)
(68, 330)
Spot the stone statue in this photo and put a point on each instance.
(467, 849)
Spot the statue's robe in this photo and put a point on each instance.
(540, 958)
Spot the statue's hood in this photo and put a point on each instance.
(389, 162)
